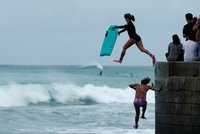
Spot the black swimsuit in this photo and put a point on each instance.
(131, 31)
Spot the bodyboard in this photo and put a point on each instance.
(109, 41)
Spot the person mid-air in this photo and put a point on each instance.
(134, 38)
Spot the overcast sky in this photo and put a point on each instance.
(71, 32)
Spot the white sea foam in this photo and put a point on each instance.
(109, 130)
(23, 95)
(95, 64)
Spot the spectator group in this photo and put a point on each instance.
(190, 50)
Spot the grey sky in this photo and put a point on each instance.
(71, 32)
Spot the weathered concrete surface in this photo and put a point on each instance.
(177, 97)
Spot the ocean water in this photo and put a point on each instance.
(72, 100)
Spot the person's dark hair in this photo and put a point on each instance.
(145, 81)
(189, 16)
(129, 16)
(195, 19)
(176, 39)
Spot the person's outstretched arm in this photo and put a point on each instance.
(133, 86)
(123, 30)
(121, 27)
(152, 87)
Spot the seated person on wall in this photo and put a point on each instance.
(175, 52)
(190, 49)
(197, 29)
(187, 29)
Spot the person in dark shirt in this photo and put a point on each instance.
(187, 29)
(134, 38)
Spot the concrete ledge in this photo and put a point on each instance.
(177, 97)
(186, 69)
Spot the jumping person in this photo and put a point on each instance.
(134, 38)
(140, 98)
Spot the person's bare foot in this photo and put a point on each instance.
(153, 59)
(118, 61)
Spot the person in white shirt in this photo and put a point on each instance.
(190, 50)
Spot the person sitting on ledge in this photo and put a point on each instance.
(190, 49)
(175, 52)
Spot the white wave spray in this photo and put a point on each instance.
(23, 95)
(95, 64)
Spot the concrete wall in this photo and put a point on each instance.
(177, 97)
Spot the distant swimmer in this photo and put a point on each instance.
(134, 38)
(101, 73)
(140, 98)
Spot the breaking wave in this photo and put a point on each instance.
(24, 95)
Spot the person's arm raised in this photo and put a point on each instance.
(121, 27)
(152, 87)
(133, 86)
(123, 30)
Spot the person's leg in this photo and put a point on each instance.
(128, 44)
(142, 49)
(137, 110)
(144, 110)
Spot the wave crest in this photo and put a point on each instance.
(96, 65)
(24, 95)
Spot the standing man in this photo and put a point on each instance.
(187, 29)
